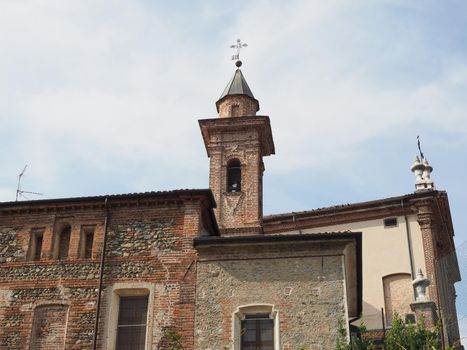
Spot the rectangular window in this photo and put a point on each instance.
(35, 244)
(132, 319)
(64, 242)
(38, 250)
(88, 245)
(257, 332)
(86, 242)
(390, 222)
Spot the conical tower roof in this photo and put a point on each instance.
(237, 86)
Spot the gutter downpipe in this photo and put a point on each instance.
(409, 242)
(101, 276)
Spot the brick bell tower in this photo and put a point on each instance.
(236, 143)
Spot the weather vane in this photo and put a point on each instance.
(419, 148)
(238, 46)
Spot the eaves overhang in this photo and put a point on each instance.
(114, 199)
(345, 213)
(213, 126)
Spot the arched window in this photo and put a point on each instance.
(234, 176)
(398, 294)
(235, 110)
(64, 242)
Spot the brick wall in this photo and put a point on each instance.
(248, 140)
(148, 242)
(49, 327)
(237, 106)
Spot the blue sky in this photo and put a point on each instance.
(103, 97)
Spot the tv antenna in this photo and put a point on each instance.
(19, 191)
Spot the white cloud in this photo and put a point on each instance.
(99, 80)
(318, 101)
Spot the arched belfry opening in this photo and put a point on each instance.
(234, 176)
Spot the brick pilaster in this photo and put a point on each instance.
(426, 222)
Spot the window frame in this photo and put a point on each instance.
(128, 289)
(59, 227)
(240, 314)
(390, 222)
(35, 233)
(84, 232)
(257, 320)
(132, 326)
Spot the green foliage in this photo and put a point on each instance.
(401, 336)
(341, 343)
(174, 339)
(404, 336)
(362, 343)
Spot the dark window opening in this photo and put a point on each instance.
(35, 245)
(88, 245)
(132, 319)
(390, 222)
(410, 319)
(38, 250)
(257, 332)
(64, 243)
(234, 176)
(86, 242)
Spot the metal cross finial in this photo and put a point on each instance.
(419, 148)
(238, 46)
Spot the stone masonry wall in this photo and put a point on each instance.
(307, 293)
(10, 249)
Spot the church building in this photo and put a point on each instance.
(204, 269)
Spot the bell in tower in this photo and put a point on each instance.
(236, 143)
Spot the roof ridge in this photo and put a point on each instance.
(356, 204)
